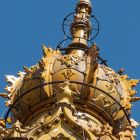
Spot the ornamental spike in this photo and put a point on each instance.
(11, 79)
(4, 95)
(135, 99)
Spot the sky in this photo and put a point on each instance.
(27, 24)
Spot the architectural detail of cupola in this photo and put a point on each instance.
(71, 93)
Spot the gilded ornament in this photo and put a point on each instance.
(70, 95)
(69, 60)
(68, 74)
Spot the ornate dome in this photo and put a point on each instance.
(71, 96)
(80, 87)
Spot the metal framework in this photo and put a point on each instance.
(75, 82)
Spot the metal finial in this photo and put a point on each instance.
(81, 27)
(86, 1)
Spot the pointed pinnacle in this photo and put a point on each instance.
(8, 89)
(26, 69)
(44, 47)
(135, 99)
(8, 103)
(134, 82)
(134, 123)
(124, 77)
(4, 95)
(20, 73)
(46, 50)
(132, 92)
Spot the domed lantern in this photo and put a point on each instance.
(71, 93)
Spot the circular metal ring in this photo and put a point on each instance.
(76, 82)
(59, 46)
(67, 19)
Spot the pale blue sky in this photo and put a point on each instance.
(26, 24)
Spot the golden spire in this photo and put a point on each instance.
(81, 27)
